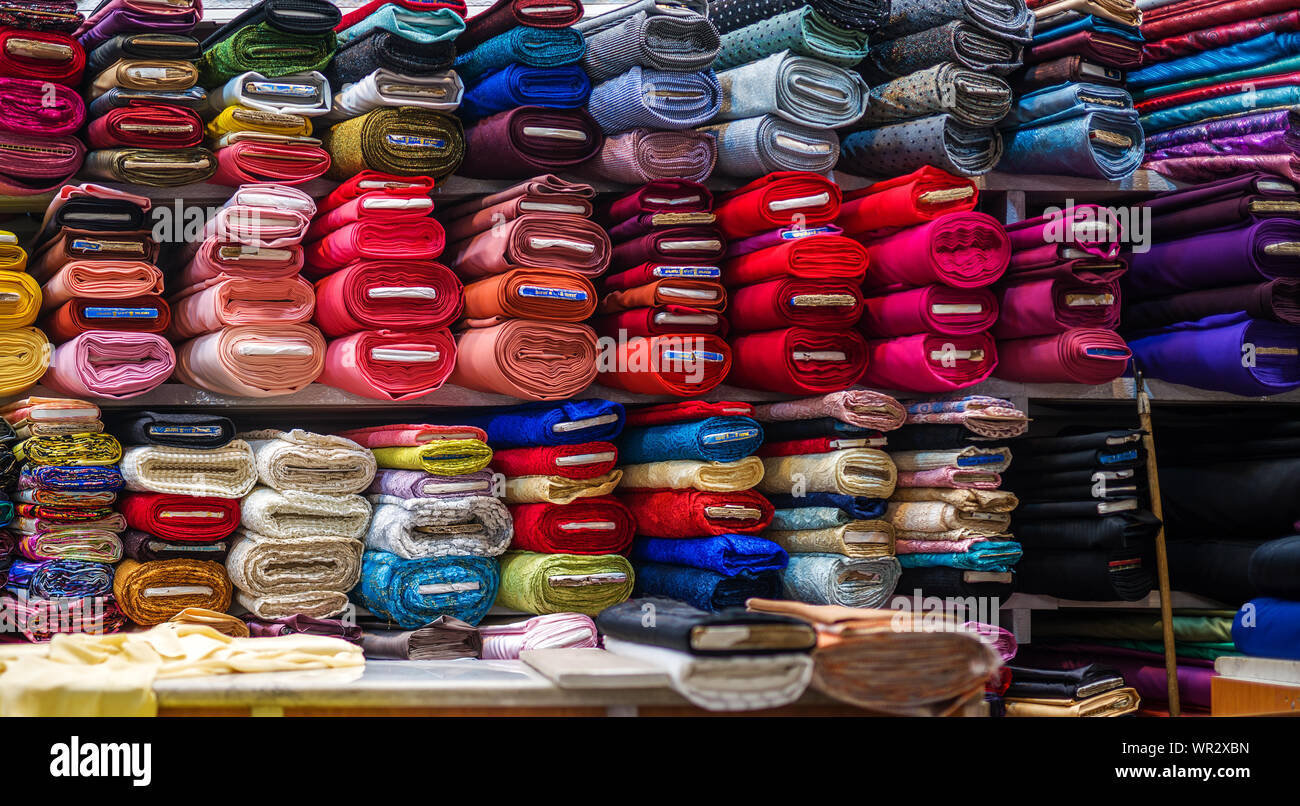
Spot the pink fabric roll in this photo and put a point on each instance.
(409, 435)
(216, 257)
(375, 206)
(226, 301)
(951, 477)
(253, 360)
(259, 225)
(1080, 355)
(526, 359)
(93, 191)
(418, 239)
(101, 279)
(930, 363)
(110, 364)
(861, 407)
(937, 309)
(902, 546)
(962, 250)
(1089, 227)
(553, 631)
(390, 364)
(1043, 307)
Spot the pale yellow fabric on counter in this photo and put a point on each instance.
(685, 474)
(557, 489)
(853, 539)
(854, 471)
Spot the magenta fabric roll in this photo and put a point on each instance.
(39, 107)
(110, 364)
(1088, 227)
(936, 309)
(1044, 307)
(930, 363)
(1080, 355)
(962, 250)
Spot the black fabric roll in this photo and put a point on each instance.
(9, 468)
(1216, 569)
(384, 49)
(935, 437)
(1062, 684)
(7, 435)
(94, 214)
(143, 547)
(862, 15)
(1068, 442)
(1125, 530)
(943, 581)
(1052, 510)
(205, 431)
(1277, 301)
(304, 17)
(444, 638)
(1030, 483)
(1259, 497)
(1116, 458)
(789, 430)
(1275, 568)
(1092, 576)
(670, 623)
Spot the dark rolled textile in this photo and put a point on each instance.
(284, 16)
(266, 50)
(1275, 568)
(945, 582)
(858, 507)
(302, 624)
(932, 436)
(956, 42)
(787, 430)
(180, 430)
(1211, 353)
(1217, 569)
(385, 50)
(1065, 70)
(506, 145)
(679, 41)
(142, 45)
(677, 625)
(1051, 510)
(706, 590)
(861, 15)
(535, 47)
(1223, 257)
(503, 15)
(1063, 684)
(1100, 47)
(1124, 530)
(1075, 485)
(143, 547)
(1011, 19)
(1275, 301)
(444, 638)
(941, 141)
(1220, 203)
(1091, 576)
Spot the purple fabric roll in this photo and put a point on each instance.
(1201, 169)
(1226, 353)
(777, 237)
(298, 623)
(1230, 257)
(1215, 129)
(1271, 142)
(143, 547)
(126, 20)
(1276, 301)
(418, 484)
(1144, 671)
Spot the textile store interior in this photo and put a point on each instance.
(752, 356)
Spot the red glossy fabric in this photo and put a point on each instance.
(373, 206)
(792, 302)
(685, 412)
(182, 518)
(962, 250)
(804, 447)
(542, 527)
(390, 364)
(1081, 355)
(935, 309)
(693, 513)
(798, 360)
(1216, 90)
(661, 320)
(1043, 307)
(1195, 15)
(376, 182)
(777, 200)
(822, 257)
(421, 239)
(146, 126)
(905, 201)
(1231, 33)
(678, 244)
(503, 15)
(669, 365)
(568, 461)
(398, 294)
(930, 363)
(15, 63)
(649, 272)
(139, 315)
(663, 195)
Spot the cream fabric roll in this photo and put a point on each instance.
(683, 474)
(297, 514)
(314, 463)
(963, 500)
(987, 460)
(415, 528)
(266, 570)
(557, 489)
(874, 538)
(854, 471)
(936, 516)
(229, 472)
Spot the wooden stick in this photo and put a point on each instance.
(1162, 556)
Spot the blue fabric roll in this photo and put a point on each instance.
(1223, 106)
(62, 579)
(723, 554)
(564, 87)
(534, 424)
(389, 588)
(988, 555)
(20, 573)
(534, 47)
(1089, 23)
(714, 439)
(1065, 101)
(707, 590)
(799, 519)
(1252, 53)
(1211, 353)
(857, 507)
(1066, 147)
(72, 478)
(1268, 628)
(633, 100)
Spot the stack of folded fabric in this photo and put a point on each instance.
(828, 480)
(432, 544)
(1083, 517)
(1091, 690)
(938, 92)
(1213, 302)
(141, 87)
(240, 301)
(528, 256)
(61, 473)
(381, 297)
(951, 520)
(41, 64)
(725, 660)
(186, 474)
(298, 549)
(24, 350)
(103, 302)
(688, 478)
(928, 308)
(662, 305)
(1059, 302)
(1072, 115)
(526, 96)
(1217, 89)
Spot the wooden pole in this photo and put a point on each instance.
(1162, 556)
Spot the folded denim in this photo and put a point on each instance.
(971, 96)
(803, 30)
(758, 146)
(655, 99)
(652, 35)
(961, 43)
(534, 47)
(641, 155)
(1064, 101)
(941, 140)
(1097, 145)
(799, 89)
(563, 87)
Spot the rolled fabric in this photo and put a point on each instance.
(534, 240)
(533, 47)
(279, 577)
(298, 514)
(151, 593)
(20, 299)
(267, 50)
(237, 301)
(1055, 104)
(915, 520)
(371, 205)
(84, 545)
(936, 309)
(678, 365)
(418, 484)
(137, 315)
(1272, 567)
(1211, 353)
(726, 554)
(63, 579)
(821, 257)
(1098, 145)
(655, 99)
(151, 167)
(180, 430)
(777, 304)
(215, 258)
(390, 365)
(970, 96)
(386, 50)
(41, 55)
(1042, 307)
(35, 107)
(372, 294)
(417, 528)
(688, 243)
(242, 119)
(1276, 300)
(718, 477)
(504, 15)
(915, 198)
(1009, 19)
(563, 583)
(144, 74)
(962, 250)
(705, 588)
(251, 156)
(959, 42)
(253, 360)
(566, 423)
(401, 140)
(180, 518)
(803, 30)
(529, 360)
(699, 295)
(72, 477)
(1079, 355)
(545, 193)
(425, 26)
(929, 363)
(565, 87)
(82, 449)
(858, 407)
(441, 450)
(714, 439)
(1072, 68)
(143, 45)
(601, 525)
(1184, 264)
(941, 141)
(691, 513)
(851, 471)
(307, 462)
(94, 279)
(541, 294)
(413, 592)
(650, 35)
(107, 364)
(811, 361)
(368, 239)
(558, 489)
(833, 579)
(854, 539)
(763, 145)
(444, 638)
(229, 472)
(821, 444)
(440, 92)
(529, 139)
(777, 200)
(554, 631)
(587, 460)
(642, 155)
(799, 89)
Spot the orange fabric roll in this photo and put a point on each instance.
(253, 360)
(226, 301)
(527, 359)
(102, 279)
(698, 294)
(546, 295)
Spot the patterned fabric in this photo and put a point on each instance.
(755, 147)
(1008, 18)
(941, 141)
(542, 583)
(681, 42)
(972, 97)
(839, 580)
(716, 439)
(958, 42)
(402, 140)
(641, 155)
(412, 593)
(535, 47)
(802, 31)
(416, 528)
(267, 50)
(655, 99)
(1077, 147)
(861, 15)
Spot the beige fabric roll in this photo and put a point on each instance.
(229, 472)
(951, 535)
(909, 461)
(685, 474)
(874, 538)
(855, 471)
(936, 516)
(557, 489)
(314, 463)
(296, 514)
(963, 500)
(223, 623)
(281, 576)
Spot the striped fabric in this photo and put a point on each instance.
(756, 146)
(654, 99)
(678, 42)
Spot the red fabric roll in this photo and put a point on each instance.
(376, 181)
(798, 360)
(603, 526)
(283, 163)
(182, 518)
(905, 201)
(142, 125)
(1044, 307)
(792, 302)
(1219, 36)
(1081, 355)
(685, 412)
(421, 239)
(930, 363)
(390, 364)
(669, 195)
(963, 250)
(693, 513)
(1195, 15)
(400, 294)
(821, 257)
(373, 206)
(804, 447)
(936, 309)
(662, 320)
(669, 365)
(671, 244)
(1216, 90)
(584, 461)
(139, 315)
(777, 200)
(703, 294)
(16, 62)
(649, 272)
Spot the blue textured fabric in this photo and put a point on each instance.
(1066, 147)
(84, 479)
(654, 99)
(389, 588)
(1267, 628)
(1065, 101)
(724, 554)
(535, 47)
(818, 578)
(1258, 51)
(62, 579)
(987, 555)
(857, 507)
(1089, 23)
(533, 424)
(787, 430)
(1220, 107)
(424, 27)
(707, 590)
(564, 87)
(714, 439)
(1209, 354)
(801, 519)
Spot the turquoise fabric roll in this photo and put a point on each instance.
(412, 593)
(534, 47)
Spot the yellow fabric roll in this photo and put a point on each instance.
(443, 457)
(684, 474)
(1118, 702)
(557, 489)
(20, 299)
(963, 500)
(852, 471)
(242, 119)
(24, 357)
(12, 256)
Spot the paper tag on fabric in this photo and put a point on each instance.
(569, 294)
(795, 234)
(278, 88)
(687, 271)
(415, 141)
(729, 436)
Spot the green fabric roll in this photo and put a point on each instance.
(527, 582)
(443, 457)
(1190, 649)
(402, 140)
(1197, 626)
(802, 31)
(267, 50)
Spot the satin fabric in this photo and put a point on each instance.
(798, 360)
(115, 365)
(253, 360)
(924, 362)
(1078, 355)
(373, 294)
(1210, 353)
(146, 126)
(181, 518)
(962, 250)
(390, 365)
